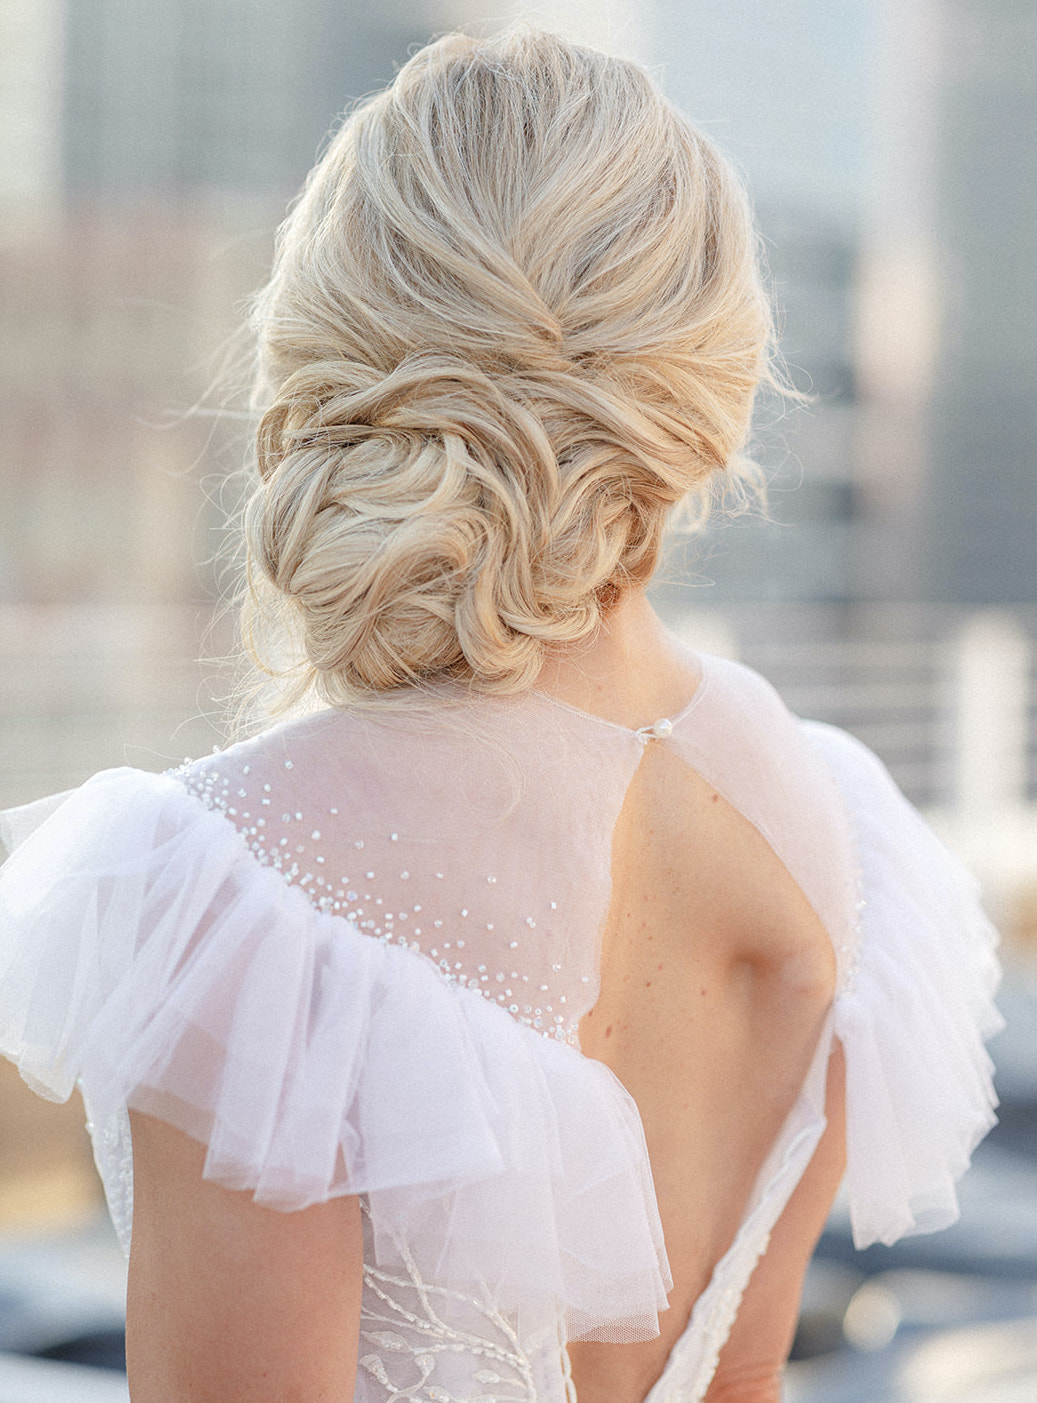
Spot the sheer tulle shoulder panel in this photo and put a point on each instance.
(353, 954)
(167, 970)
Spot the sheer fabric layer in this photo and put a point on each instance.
(167, 970)
(918, 975)
(234, 972)
(916, 1013)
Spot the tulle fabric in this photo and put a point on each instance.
(917, 1011)
(146, 953)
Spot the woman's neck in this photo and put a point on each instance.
(631, 672)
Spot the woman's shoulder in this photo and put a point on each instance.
(147, 955)
(916, 1001)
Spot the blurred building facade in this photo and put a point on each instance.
(785, 91)
(979, 517)
(151, 153)
(233, 96)
(149, 158)
(169, 140)
(947, 359)
(890, 145)
(888, 142)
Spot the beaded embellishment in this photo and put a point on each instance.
(294, 845)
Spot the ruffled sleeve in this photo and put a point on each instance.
(916, 1012)
(145, 953)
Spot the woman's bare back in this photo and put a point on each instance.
(716, 978)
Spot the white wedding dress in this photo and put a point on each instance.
(351, 956)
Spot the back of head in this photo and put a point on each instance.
(514, 318)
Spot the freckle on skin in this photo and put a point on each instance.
(714, 798)
(702, 992)
(608, 1031)
(648, 983)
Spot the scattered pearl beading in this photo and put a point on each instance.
(368, 899)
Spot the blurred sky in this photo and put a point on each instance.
(787, 89)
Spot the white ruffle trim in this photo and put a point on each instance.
(914, 1018)
(144, 951)
(147, 954)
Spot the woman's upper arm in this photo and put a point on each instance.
(229, 1301)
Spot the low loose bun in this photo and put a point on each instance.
(515, 318)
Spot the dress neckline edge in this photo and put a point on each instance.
(648, 730)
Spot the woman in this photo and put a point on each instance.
(500, 1025)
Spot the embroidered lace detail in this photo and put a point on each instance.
(850, 953)
(693, 1360)
(567, 1375)
(113, 1154)
(419, 1341)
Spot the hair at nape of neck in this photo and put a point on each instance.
(515, 318)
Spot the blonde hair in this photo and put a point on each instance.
(515, 317)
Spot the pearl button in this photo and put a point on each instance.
(662, 729)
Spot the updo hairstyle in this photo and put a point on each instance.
(514, 318)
